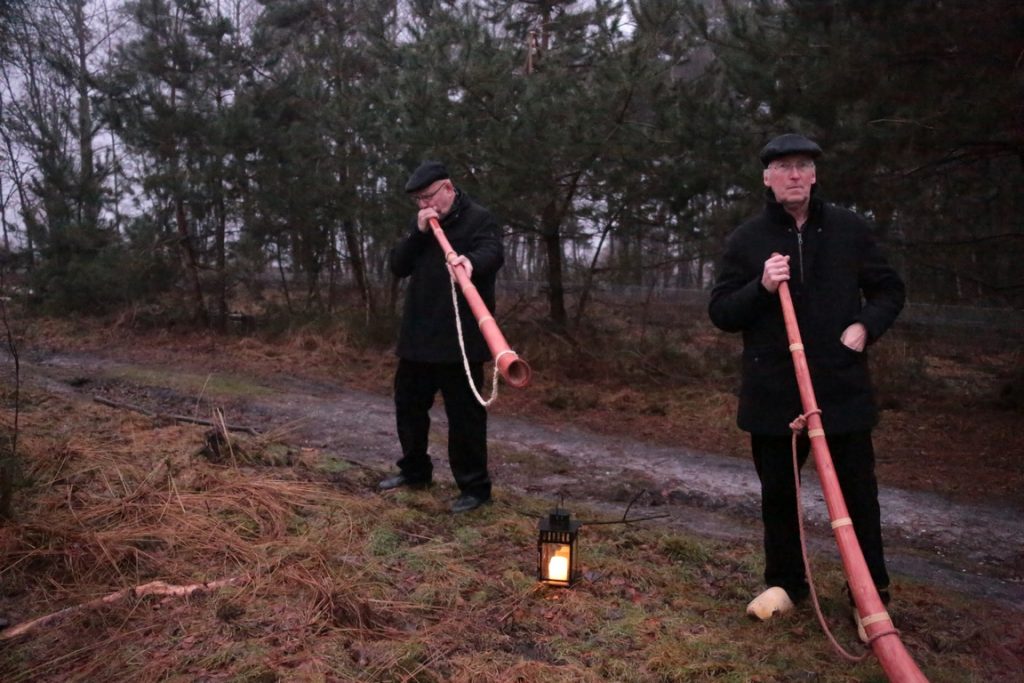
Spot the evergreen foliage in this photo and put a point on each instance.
(919, 108)
(222, 148)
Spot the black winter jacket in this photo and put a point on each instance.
(838, 276)
(428, 332)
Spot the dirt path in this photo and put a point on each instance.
(975, 549)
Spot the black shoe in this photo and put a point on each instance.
(402, 480)
(467, 502)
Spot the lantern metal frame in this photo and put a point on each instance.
(557, 533)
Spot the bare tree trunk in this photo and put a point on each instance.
(221, 297)
(552, 216)
(88, 200)
(181, 222)
(112, 157)
(358, 264)
(191, 263)
(284, 278)
(513, 264)
(551, 232)
(17, 175)
(589, 276)
(529, 257)
(3, 211)
(333, 257)
(9, 462)
(221, 249)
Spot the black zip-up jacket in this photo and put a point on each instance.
(428, 332)
(838, 276)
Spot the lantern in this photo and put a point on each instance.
(557, 555)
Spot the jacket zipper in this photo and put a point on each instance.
(800, 252)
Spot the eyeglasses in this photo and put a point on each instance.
(790, 166)
(426, 197)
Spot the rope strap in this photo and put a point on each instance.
(465, 359)
(874, 618)
(842, 521)
(798, 425)
(891, 632)
(796, 347)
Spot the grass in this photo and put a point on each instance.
(195, 384)
(340, 583)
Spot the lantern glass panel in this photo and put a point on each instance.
(556, 562)
(557, 556)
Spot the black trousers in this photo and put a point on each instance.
(853, 457)
(416, 385)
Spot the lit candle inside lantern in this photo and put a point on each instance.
(558, 565)
(557, 559)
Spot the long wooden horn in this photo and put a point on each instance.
(883, 636)
(514, 369)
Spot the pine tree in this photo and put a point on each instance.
(166, 94)
(918, 108)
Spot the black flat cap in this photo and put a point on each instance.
(787, 144)
(428, 172)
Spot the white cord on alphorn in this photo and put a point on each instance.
(465, 360)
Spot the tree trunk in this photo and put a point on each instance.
(358, 264)
(588, 280)
(3, 217)
(8, 461)
(191, 264)
(88, 199)
(333, 257)
(221, 248)
(551, 233)
(284, 278)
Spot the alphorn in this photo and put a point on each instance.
(514, 369)
(882, 635)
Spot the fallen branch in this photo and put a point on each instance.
(151, 588)
(179, 418)
(625, 515)
(626, 519)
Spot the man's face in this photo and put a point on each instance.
(439, 196)
(790, 178)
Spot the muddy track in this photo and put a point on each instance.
(975, 549)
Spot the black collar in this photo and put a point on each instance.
(777, 212)
(460, 202)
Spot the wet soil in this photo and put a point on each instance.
(973, 547)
